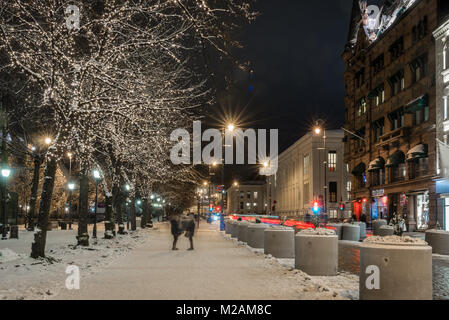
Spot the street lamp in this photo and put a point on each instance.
(71, 187)
(319, 127)
(5, 174)
(70, 155)
(97, 177)
(47, 140)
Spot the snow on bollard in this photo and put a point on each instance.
(438, 240)
(242, 230)
(385, 231)
(234, 229)
(395, 268)
(338, 228)
(255, 235)
(377, 224)
(279, 242)
(316, 252)
(351, 232)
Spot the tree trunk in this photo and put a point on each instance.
(144, 219)
(33, 199)
(40, 236)
(83, 235)
(117, 194)
(133, 214)
(109, 224)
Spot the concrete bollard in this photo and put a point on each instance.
(242, 230)
(438, 240)
(338, 228)
(362, 229)
(385, 231)
(228, 226)
(351, 232)
(377, 224)
(279, 242)
(255, 235)
(395, 268)
(234, 229)
(316, 252)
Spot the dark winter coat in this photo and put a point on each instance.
(174, 226)
(190, 228)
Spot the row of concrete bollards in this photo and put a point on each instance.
(391, 268)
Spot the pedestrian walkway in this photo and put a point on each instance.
(218, 268)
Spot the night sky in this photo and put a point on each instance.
(295, 50)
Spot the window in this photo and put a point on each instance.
(397, 119)
(419, 168)
(398, 172)
(361, 107)
(306, 194)
(419, 31)
(348, 190)
(379, 95)
(333, 214)
(242, 193)
(378, 177)
(255, 195)
(306, 166)
(421, 115)
(445, 108)
(332, 191)
(419, 68)
(241, 205)
(378, 129)
(446, 56)
(378, 64)
(360, 78)
(397, 82)
(248, 194)
(397, 49)
(362, 181)
(332, 161)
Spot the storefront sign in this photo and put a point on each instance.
(378, 193)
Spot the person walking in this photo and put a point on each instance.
(174, 230)
(190, 230)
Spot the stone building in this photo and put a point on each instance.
(300, 178)
(441, 35)
(390, 106)
(247, 198)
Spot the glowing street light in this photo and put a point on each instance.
(6, 172)
(48, 140)
(236, 183)
(231, 127)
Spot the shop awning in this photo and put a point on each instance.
(417, 152)
(376, 164)
(417, 104)
(396, 158)
(359, 169)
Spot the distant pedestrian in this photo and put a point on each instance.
(363, 218)
(190, 230)
(174, 230)
(354, 217)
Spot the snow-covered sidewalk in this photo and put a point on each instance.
(218, 268)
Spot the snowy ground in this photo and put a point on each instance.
(25, 278)
(142, 266)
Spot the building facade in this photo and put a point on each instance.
(301, 176)
(441, 35)
(390, 106)
(247, 198)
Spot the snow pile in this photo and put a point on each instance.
(394, 240)
(8, 255)
(318, 232)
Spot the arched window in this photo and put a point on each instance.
(396, 163)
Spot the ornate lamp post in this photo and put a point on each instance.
(319, 128)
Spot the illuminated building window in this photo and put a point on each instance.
(332, 160)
